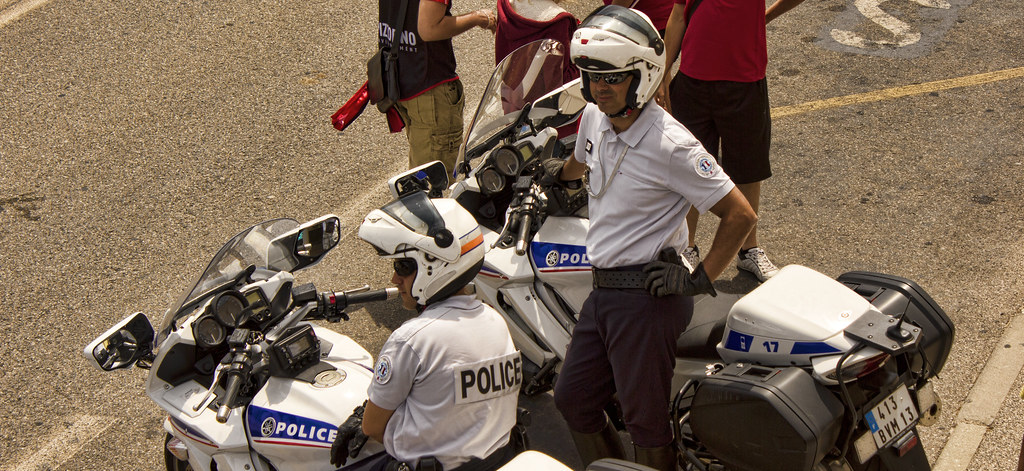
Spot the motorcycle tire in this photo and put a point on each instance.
(171, 462)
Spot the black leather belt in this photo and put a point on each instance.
(628, 277)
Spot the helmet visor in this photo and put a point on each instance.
(416, 212)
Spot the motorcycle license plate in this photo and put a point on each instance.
(891, 417)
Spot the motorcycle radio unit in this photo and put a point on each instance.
(295, 351)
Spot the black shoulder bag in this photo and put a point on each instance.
(382, 68)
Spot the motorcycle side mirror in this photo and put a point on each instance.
(431, 178)
(559, 107)
(122, 345)
(304, 246)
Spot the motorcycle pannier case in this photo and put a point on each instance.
(900, 297)
(759, 418)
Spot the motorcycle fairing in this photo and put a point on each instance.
(503, 265)
(280, 428)
(191, 433)
(553, 257)
(559, 254)
(796, 315)
(292, 423)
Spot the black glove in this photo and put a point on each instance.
(666, 278)
(552, 171)
(350, 438)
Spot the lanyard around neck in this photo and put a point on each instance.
(600, 162)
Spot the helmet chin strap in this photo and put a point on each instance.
(626, 111)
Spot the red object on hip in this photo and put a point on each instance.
(351, 109)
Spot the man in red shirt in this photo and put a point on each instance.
(721, 96)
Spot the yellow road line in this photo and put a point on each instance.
(890, 93)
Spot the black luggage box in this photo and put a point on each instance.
(898, 297)
(759, 418)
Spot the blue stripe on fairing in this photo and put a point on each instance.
(742, 343)
(810, 348)
(550, 255)
(295, 427)
(739, 342)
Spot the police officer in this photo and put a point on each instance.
(645, 171)
(446, 382)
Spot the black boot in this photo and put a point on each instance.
(594, 446)
(662, 458)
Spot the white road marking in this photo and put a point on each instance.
(64, 444)
(18, 10)
(900, 30)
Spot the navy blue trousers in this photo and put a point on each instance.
(624, 343)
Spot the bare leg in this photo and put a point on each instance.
(753, 193)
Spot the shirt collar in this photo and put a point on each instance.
(635, 132)
(463, 302)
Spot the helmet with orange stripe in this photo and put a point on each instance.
(439, 235)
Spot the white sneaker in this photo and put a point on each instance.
(755, 261)
(691, 255)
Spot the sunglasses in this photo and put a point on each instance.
(609, 78)
(405, 266)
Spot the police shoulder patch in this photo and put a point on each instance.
(382, 372)
(705, 165)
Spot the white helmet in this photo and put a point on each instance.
(440, 235)
(618, 39)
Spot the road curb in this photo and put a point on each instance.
(979, 410)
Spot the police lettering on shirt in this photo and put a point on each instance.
(488, 379)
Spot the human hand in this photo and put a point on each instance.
(491, 18)
(552, 171)
(661, 96)
(350, 438)
(666, 278)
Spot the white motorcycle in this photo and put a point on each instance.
(804, 372)
(246, 381)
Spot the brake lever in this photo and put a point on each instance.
(513, 219)
(213, 385)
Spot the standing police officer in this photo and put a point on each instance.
(446, 382)
(644, 171)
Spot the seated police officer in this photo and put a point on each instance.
(446, 382)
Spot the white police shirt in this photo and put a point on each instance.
(641, 206)
(452, 376)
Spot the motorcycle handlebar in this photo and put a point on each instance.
(230, 394)
(332, 305)
(524, 233)
(370, 296)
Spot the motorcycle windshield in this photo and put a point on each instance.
(249, 248)
(526, 74)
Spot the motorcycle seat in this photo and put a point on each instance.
(706, 327)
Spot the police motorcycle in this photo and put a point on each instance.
(246, 381)
(803, 373)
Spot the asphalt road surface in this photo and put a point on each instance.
(137, 137)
